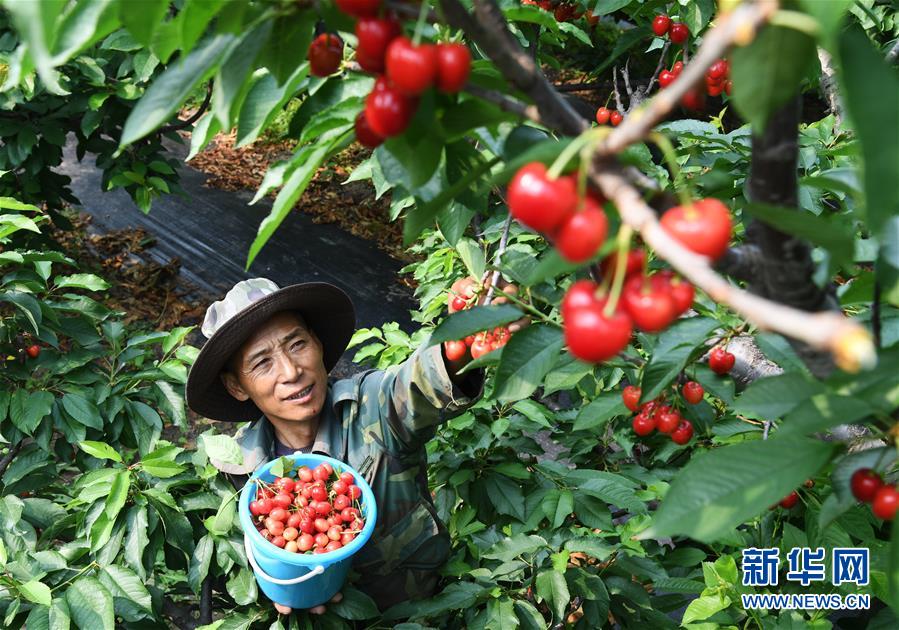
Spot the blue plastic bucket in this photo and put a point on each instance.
(301, 580)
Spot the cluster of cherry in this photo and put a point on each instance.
(655, 414)
(405, 69)
(318, 511)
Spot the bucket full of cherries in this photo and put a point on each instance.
(302, 528)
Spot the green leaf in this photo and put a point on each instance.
(169, 91)
(773, 396)
(828, 14)
(199, 563)
(610, 487)
(833, 234)
(142, 18)
(528, 616)
(35, 22)
(136, 539)
(82, 281)
(264, 100)
(464, 323)
(27, 409)
(312, 158)
(672, 351)
(242, 587)
(456, 596)
(592, 512)
(224, 516)
(37, 592)
(506, 495)
(719, 489)
(29, 307)
(90, 604)
(100, 450)
(472, 256)
(355, 605)
(867, 80)
(123, 583)
(824, 411)
(600, 410)
(222, 447)
(552, 588)
(766, 73)
(118, 494)
(60, 617)
(162, 469)
(291, 32)
(704, 607)
(590, 546)
(528, 356)
(557, 506)
(82, 410)
(508, 549)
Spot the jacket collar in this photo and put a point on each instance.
(257, 439)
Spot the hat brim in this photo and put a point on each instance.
(328, 312)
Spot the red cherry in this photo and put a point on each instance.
(602, 115)
(789, 501)
(650, 308)
(615, 118)
(365, 134)
(265, 506)
(33, 351)
(354, 492)
(661, 24)
(279, 541)
(359, 8)
(325, 55)
(564, 12)
(341, 501)
(334, 533)
(453, 67)
(681, 291)
(307, 526)
(374, 35)
(480, 347)
(282, 500)
(322, 540)
(334, 545)
(631, 397)
(721, 361)
(339, 487)
(583, 233)
(692, 392)
(279, 514)
(254, 508)
(694, 99)
(677, 67)
(865, 483)
(668, 422)
(304, 474)
(678, 33)
(388, 111)
(636, 258)
(727, 87)
(643, 424)
(539, 202)
(326, 471)
(322, 508)
(705, 227)
(714, 90)
(581, 293)
(683, 433)
(275, 527)
(454, 350)
(412, 69)
(318, 493)
(305, 542)
(593, 337)
(322, 525)
(718, 70)
(592, 20)
(347, 478)
(666, 78)
(349, 514)
(886, 501)
(290, 533)
(346, 538)
(286, 484)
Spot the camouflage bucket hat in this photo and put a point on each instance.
(328, 311)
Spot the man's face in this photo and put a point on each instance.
(280, 368)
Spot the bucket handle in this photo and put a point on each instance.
(316, 571)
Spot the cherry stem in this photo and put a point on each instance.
(573, 148)
(419, 26)
(624, 240)
(681, 185)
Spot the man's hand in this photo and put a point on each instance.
(315, 610)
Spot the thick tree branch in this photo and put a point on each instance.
(505, 103)
(7, 459)
(488, 29)
(829, 86)
(184, 124)
(893, 55)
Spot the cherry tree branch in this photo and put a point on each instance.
(505, 103)
(829, 86)
(826, 330)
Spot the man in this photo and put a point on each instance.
(267, 359)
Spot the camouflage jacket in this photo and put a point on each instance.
(378, 422)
